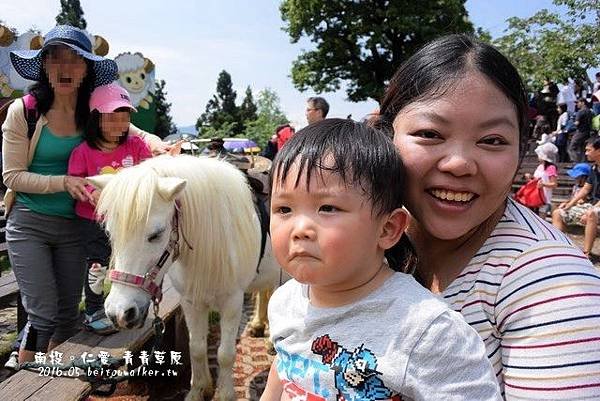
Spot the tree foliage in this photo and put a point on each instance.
(221, 111)
(269, 116)
(361, 43)
(248, 108)
(71, 14)
(553, 45)
(164, 121)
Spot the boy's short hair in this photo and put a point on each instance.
(360, 155)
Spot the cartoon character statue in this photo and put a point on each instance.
(356, 375)
(136, 75)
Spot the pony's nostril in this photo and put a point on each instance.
(114, 320)
(129, 314)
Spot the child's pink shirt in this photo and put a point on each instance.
(86, 161)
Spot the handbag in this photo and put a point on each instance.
(530, 195)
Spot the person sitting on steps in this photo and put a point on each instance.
(567, 211)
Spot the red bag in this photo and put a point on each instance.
(530, 195)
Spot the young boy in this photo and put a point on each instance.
(347, 327)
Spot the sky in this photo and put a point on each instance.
(191, 42)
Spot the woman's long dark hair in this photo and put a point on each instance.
(44, 95)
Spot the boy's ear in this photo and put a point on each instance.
(393, 228)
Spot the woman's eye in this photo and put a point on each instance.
(494, 140)
(427, 134)
(328, 208)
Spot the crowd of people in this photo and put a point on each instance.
(414, 273)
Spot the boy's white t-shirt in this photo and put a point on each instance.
(399, 343)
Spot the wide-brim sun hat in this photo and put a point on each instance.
(547, 152)
(579, 170)
(108, 98)
(28, 63)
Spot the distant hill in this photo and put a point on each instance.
(189, 129)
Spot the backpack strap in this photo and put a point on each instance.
(31, 113)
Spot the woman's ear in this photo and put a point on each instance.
(393, 227)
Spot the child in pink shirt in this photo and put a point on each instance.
(106, 149)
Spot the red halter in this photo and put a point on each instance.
(147, 281)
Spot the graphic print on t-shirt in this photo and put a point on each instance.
(115, 166)
(355, 374)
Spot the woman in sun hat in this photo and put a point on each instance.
(42, 232)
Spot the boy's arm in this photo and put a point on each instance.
(449, 362)
(274, 388)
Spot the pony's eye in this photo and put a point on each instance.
(155, 236)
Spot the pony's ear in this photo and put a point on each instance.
(169, 187)
(100, 181)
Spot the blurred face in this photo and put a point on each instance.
(461, 152)
(325, 237)
(65, 69)
(313, 114)
(114, 125)
(592, 154)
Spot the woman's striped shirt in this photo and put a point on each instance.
(534, 298)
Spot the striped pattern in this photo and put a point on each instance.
(534, 298)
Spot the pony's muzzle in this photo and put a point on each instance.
(128, 318)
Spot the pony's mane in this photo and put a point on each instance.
(218, 217)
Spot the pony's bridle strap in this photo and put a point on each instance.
(147, 282)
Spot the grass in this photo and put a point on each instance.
(106, 291)
(4, 264)
(6, 342)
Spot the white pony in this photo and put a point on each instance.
(217, 235)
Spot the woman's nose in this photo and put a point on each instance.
(458, 164)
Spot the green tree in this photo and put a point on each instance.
(247, 108)
(269, 116)
(221, 111)
(164, 121)
(554, 45)
(362, 43)
(71, 14)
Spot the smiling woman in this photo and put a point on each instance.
(457, 112)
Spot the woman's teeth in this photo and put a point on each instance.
(452, 196)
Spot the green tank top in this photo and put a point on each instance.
(51, 157)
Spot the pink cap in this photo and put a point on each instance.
(108, 98)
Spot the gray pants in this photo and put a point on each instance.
(47, 258)
(576, 147)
